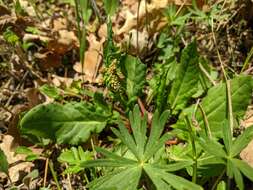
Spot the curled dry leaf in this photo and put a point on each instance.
(62, 81)
(92, 60)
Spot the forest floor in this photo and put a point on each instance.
(42, 46)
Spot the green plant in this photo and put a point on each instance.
(3, 163)
(227, 153)
(142, 163)
(71, 123)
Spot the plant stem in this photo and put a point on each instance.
(218, 179)
(51, 166)
(246, 62)
(194, 151)
(206, 124)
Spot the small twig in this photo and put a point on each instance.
(68, 177)
(45, 173)
(6, 109)
(96, 10)
(18, 86)
(137, 28)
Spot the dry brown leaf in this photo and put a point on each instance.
(48, 60)
(247, 153)
(27, 7)
(102, 32)
(59, 24)
(92, 60)
(62, 81)
(14, 172)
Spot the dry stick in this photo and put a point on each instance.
(180, 8)
(68, 177)
(137, 28)
(45, 173)
(6, 109)
(18, 86)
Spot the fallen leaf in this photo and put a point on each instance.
(17, 168)
(92, 60)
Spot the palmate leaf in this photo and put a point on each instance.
(215, 104)
(126, 179)
(242, 141)
(212, 147)
(155, 142)
(127, 172)
(139, 127)
(187, 76)
(246, 169)
(162, 179)
(71, 123)
(127, 139)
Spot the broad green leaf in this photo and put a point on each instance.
(187, 76)
(135, 76)
(212, 147)
(242, 141)
(215, 104)
(3, 162)
(71, 123)
(126, 179)
(111, 6)
(246, 169)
